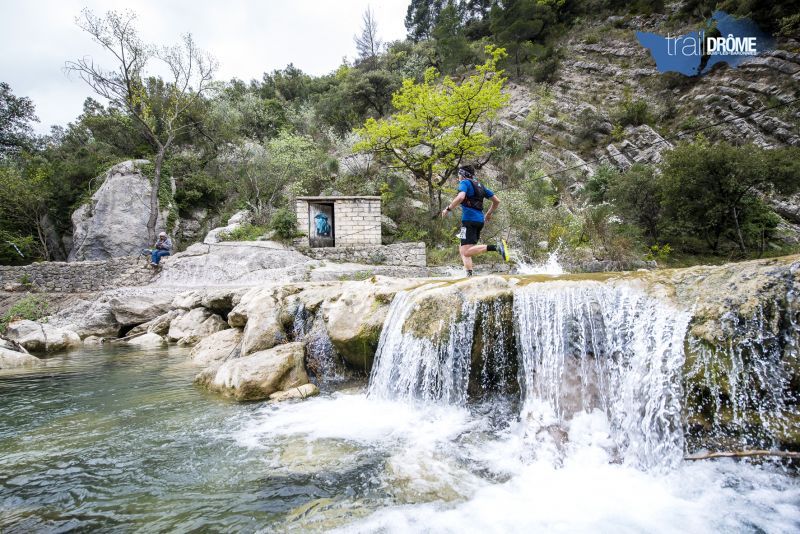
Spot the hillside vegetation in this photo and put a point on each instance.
(592, 151)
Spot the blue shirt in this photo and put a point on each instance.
(471, 214)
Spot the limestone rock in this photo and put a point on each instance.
(233, 263)
(238, 219)
(114, 222)
(258, 375)
(159, 325)
(302, 392)
(259, 312)
(87, 318)
(217, 347)
(147, 339)
(140, 307)
(11, 359)
(92, 340)
(41, 337)
(194, 325)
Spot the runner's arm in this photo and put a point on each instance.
(455, 203)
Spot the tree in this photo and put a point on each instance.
(158, 108)
(638, 194)
(421, 17)
(368, 44)
(516, 23)
(436, 125)
(23, 208)
(714, 191)
(452, 47)
(16, 112)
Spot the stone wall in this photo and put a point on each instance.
(356, 220)
(75, 277)
(403, 254)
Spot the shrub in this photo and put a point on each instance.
(246, 232)
(284, 223)
(32, 307)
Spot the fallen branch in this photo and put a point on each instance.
(742, 454)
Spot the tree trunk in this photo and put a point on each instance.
(431, 198)
(739, 231)
(153, 219)
(742, 454)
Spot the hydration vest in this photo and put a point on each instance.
(479, 193)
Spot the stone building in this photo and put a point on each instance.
(339, 221)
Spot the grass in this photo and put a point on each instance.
(31, 307)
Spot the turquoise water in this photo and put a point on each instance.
(120, 440)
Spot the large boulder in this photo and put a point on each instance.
(260, 314)
(234, 263)
(159, 325)
(194, 325)
(114, 221)
(258, 375)
(87, 318)
(41, 337)
(148, 339)
(302, 392)
(133, 308)
(239, 219)
(217, 347)
(11, 359)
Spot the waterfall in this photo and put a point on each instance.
(741, 393)
(579, 347)
(321, 356)
(588, 346)
(407, 367)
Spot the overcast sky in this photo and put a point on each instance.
(248, 38)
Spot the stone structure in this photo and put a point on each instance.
(354, 221)
(403, 254)
(76, 277)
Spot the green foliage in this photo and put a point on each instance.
(597, 186)
(632, 111)
(284, 223)
(638, 193)
(658, 253)
(245, 232)
(32, 308)
(16, 114)
(711, 191)
(517, 24)
(435, 126)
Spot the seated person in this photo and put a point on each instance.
(163, 247)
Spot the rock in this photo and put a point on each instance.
(147, 339)
(93, 340)
(114, 222)
(233, 263)
(194, 325)
(238, 219)
(222, 301)
(258, 375)
(217, 347)
(354, 313)
(140, 307)
(11, 359)
(188, 300)
(87, 318)
(41, 337)
(302, 392)
(159, 325)
(11, 345)
(388, 226)
(259, 312)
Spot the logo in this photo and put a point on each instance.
(724, 39)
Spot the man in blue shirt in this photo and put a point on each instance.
(470, 197)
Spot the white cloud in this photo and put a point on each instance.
(247, 38)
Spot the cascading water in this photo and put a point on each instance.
(590, 346)
(321, 357)
(407, 367)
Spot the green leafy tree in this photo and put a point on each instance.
(714, 191)
(16, 114)
(436, 125)
(452, 47)
(157, 107)
(421, 17)
(516, 24)
(638, 194)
